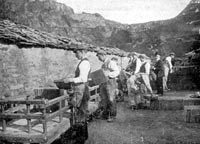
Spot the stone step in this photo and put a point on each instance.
(192, 113)
(174, 102)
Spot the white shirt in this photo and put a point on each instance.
(147, 68)
(169, 61)
(138, 65)
(84, 68)
(110, 68)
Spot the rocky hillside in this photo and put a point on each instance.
(180, 34)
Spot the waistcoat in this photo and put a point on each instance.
(77, 72)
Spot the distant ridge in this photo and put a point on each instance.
(179, 34)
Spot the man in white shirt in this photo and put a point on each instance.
(168, 68)
(108, 89)
(80, 81)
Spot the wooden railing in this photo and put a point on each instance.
(43, 117)
(43, 104)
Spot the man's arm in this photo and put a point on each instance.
(138, 65)
(169, 60)
(129, 64)
(148, 67)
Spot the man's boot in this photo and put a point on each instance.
(110, 119)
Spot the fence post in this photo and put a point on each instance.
(28, 112)
(4, 121)
(60, 108)
(44, 120)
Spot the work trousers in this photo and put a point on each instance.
(159, 85)
(165, 77)
(108, 98)
(80, 101)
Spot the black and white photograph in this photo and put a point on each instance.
(99, 71)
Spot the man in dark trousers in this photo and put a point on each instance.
(108, 89)
(80, 98)
(159, 71)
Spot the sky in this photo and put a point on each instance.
(129, 11)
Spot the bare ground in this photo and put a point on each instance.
(144, 127)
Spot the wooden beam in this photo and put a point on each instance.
(56, 100)
(3, 121)
(57, 113)
(21, 116)
(28, 120)
(44, 122)
(61, 113)
(22, 102)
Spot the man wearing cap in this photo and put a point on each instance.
(159, 71)
(168, 68)
(108, 88)
(81, 90)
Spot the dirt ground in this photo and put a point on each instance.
(144, 127)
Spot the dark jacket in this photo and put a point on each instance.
(159, 70)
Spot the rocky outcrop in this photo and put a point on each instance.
(178, 34)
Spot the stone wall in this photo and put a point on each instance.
(25, 69)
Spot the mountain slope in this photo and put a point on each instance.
(179, 34)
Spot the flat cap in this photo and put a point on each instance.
(114, 58)
(78, 46)
(172, 53)
(101, 52)
(143, 56)
(82, 47)
(132, 54)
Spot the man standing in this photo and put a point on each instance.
(108, 88)
(80, 98)
(159, 71)
(168, 68)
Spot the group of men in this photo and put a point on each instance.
(108, 88)
(162, 69)
(81, 95)
(140, 68)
